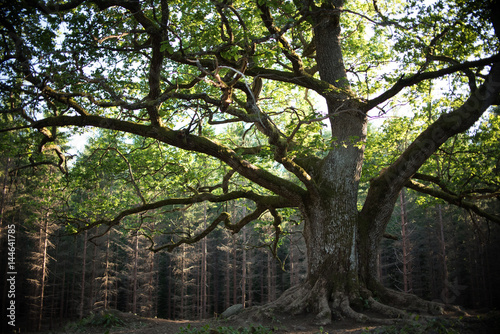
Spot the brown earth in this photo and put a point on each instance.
(477, 323)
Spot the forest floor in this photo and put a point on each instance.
(126, 323)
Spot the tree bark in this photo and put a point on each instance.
(384, 189)
(244, 270)
(331, 213)
(84, 265)
(235, 270)
(44, 235)
(405, 244)
(92, 277)
(445, 293)
(134, 272)
(106, 272)
(227, 278)
(3, 200)
(183, 281)
(204, 283)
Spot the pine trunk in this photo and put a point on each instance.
(405, 247)
(227, 277)
(134, 273)
(43, 271)
(106, 273)
(445, 293)
(84, 265)
(244, 271)
(235, 272)
(204, 267)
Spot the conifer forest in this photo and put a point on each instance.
(171, 158)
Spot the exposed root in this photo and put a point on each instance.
(294, 300)
(394, 307)
(343, 303)
(324, 315)
(456, 309)
(387, 310)
(302, 299)
(411, 303)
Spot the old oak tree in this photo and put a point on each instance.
(184, 72)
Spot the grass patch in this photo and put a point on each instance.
(207, 329)
(106, 320)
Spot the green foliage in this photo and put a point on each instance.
(106, 320)
(434, 325)
(207, 329)
(131, 61)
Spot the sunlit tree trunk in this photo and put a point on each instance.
(152, 303)
(93, 277)
(204, 283)
(183, 280)
(445, 294)
(196, 298)
(75, 278)
(244, 270)
(84, 266)
(3, 238)
(44, 240)
(405, 241)
(170, 297)
(227, 278)
(3, 200)
(235, 272)
(63, 296)
(134, 272)
(106, 281)
(215, 282)
(271, 278)
(250, 273)
(262, 280)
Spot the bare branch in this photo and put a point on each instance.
(452, 199)
(295, 59)
(223, 217)
(385, 188)
(419, 77)
(130, 172)
(188, 142)
(263, 201)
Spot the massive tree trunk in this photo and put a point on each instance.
(331, 224)
(342, 243)
(331, 214)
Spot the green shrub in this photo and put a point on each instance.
(432, 326)
(207, 329)
(103, 319)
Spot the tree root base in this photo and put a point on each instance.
(396, 308)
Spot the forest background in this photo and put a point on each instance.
(441, 243)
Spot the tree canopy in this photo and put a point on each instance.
(223, 100)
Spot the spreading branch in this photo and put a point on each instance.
(223, 217)
(385, 188)
(419, 77)
(452, 199)
(188, 142)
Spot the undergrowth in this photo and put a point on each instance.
(432, 326)
(103, 319)
(207, 329)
